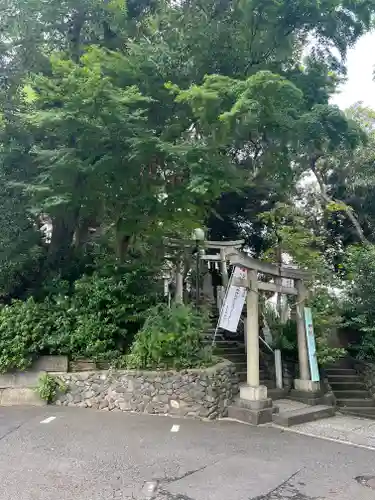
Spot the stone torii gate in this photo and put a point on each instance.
(252, 393)
(223, 250)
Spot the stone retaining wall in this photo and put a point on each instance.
(198, 393)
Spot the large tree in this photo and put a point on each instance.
(147, 118)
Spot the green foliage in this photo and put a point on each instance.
(23, 328)
(49, 386)
(105, 312)
(123, 122)
(98, 321)
(326, 319)
(171, 338)
(364, 349)
(358, 306)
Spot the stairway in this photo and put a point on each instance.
(351, 395)
(282, 412)
(290, 412)
(234, 351)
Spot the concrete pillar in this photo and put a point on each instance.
(278, 369)
(223, 267)
(179, 294)
(207, 289)
(252, 330)
(258, 407)
(303, 360)
(252, 391)
(220, 297)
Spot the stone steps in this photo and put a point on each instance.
(340, 371)
(302, 415)
(235, 358)
(356, 403)
(343, 378)
(230, 349)
(359, 412)
(347, 386)
(284, 413)
(352, 396)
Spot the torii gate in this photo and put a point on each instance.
(252, 392)
(224, 248)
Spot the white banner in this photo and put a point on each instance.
(234, 301)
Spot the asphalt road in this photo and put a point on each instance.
(96, 455)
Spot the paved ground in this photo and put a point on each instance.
(93, 455)
(341, 428)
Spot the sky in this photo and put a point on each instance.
(360, 85)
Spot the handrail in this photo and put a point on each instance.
(261, 338)
(266, 344)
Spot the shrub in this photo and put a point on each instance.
(119, 302)
(171, 338)
(23, 329)
(98, 321)
(325, 319)
(359, 304)
(48, 387)
(102, 316)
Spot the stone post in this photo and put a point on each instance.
(252, 330)
(303, 359)
(223, 267)
(253, 395)
(208, 292)
(179, 294)
(306, 390)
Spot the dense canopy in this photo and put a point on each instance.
(123, 122)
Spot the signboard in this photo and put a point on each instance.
(234, 301)
(311, 345)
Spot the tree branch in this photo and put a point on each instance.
(327, 200)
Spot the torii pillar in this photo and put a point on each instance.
(305, 390)
(252, 394)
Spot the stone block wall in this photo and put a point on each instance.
(198, 393)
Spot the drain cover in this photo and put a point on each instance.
(368, 481)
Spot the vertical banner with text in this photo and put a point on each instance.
(311, 345)
(234, 301)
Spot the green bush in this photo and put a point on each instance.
(171, 338)
(98, 321)
(107, 312)
(48, 386)
(24, 326)
(325, 318)
(359, 303)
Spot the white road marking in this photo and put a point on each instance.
(175, 428)
(47, 420)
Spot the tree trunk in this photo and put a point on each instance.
(74, 34)
(63, 228)
(122, 241)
